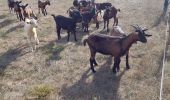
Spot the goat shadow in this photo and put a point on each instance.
(159, 19)
(6, 22)
(104, 85)
(53, 51)
(10, 56)
(79, 35)
(3, 16)
(13, 29)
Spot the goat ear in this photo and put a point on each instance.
(26, 5)
(147, 35)
(19, 2)
(134, 27)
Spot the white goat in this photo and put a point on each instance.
(31, 31)
(117, 31)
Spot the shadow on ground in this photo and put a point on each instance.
(161, 18)
(13, 29)
(3, 16)
(10, 56)
(104, 85)
(6, 22)
(52, 50)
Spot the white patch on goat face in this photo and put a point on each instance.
(34, 22)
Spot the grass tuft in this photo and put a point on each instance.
(40, 91)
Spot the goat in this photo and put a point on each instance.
(87, 16)
(80, 3)
(42, 6)
(108, 14)
(66, 23)
(114, 45)
(27, 12)
(102, 6)
(73, 12)
(117, 31)
(18, 10)
(11, 5)
(76, 3)
(30, 28)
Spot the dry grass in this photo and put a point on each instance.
(166, 89)
(64, 66)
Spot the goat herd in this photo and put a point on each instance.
(117, 44)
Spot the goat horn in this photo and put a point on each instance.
(134, 27)
(145, 29)
(139, 27)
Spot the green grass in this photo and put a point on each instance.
(40, 91)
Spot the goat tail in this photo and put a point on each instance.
(53, 15)
(84, 42)
(118, 10)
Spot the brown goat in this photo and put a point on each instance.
(114, 46)
(42, 5)
(108, 14)
(27, 12)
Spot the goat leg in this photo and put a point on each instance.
(17, 15)
(95, 63)
(115, 21)
(45, 11)
(58, 32)
(108, 25)
(39, 10)
(91, 65)
(87, 27)
(75, 36)
(97, 25)
(96, 21)
(20, 17)
(116, 65)
(104, 24)
(92, 60)
(127, 60)
(68, 36)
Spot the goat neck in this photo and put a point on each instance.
(129, 40)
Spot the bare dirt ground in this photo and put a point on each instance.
(64, 66)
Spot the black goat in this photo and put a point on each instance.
(114, 46)
(82, 3)
(102, 6)
(11, 5)
(86, 18)
(66, 23)
(18, 10)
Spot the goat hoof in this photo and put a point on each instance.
(127, 68)
(93, 71)
(114, 71)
